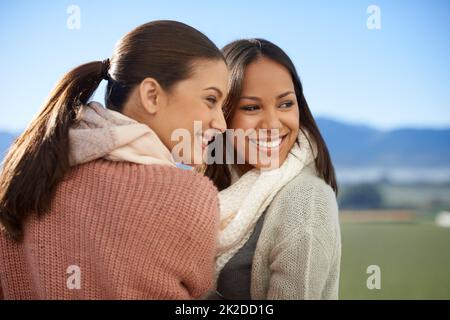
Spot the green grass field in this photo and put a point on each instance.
(414, 260)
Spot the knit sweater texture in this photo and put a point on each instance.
(298, 253)
(117, 230)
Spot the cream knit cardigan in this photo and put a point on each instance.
(299, 249)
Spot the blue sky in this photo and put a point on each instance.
(396, 76)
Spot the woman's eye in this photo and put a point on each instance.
(286, 105)
(212, 99)
(249, 108)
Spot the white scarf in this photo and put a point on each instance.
(248, 198)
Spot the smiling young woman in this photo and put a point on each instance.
(97, 190)
(280, 235)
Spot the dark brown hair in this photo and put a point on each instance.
(38, 159)
(239, 54)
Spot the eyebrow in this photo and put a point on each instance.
(259, 99)
(215, 89)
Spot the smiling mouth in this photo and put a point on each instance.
(269, 145)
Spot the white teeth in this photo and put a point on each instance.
(267, 144)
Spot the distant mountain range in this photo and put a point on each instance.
(357, 146)
(362, 146)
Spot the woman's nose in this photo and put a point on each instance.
(270, 120)
(218, 121)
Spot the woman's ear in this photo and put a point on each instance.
(152, 95)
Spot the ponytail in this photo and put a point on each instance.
(39, 157)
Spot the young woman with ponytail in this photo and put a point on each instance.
(92, 205)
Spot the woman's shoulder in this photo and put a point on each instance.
(149, 189)
(307, 200)
(141, 176)
(307, 187)
(137, 198)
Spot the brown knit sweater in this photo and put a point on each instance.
(134, 231)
